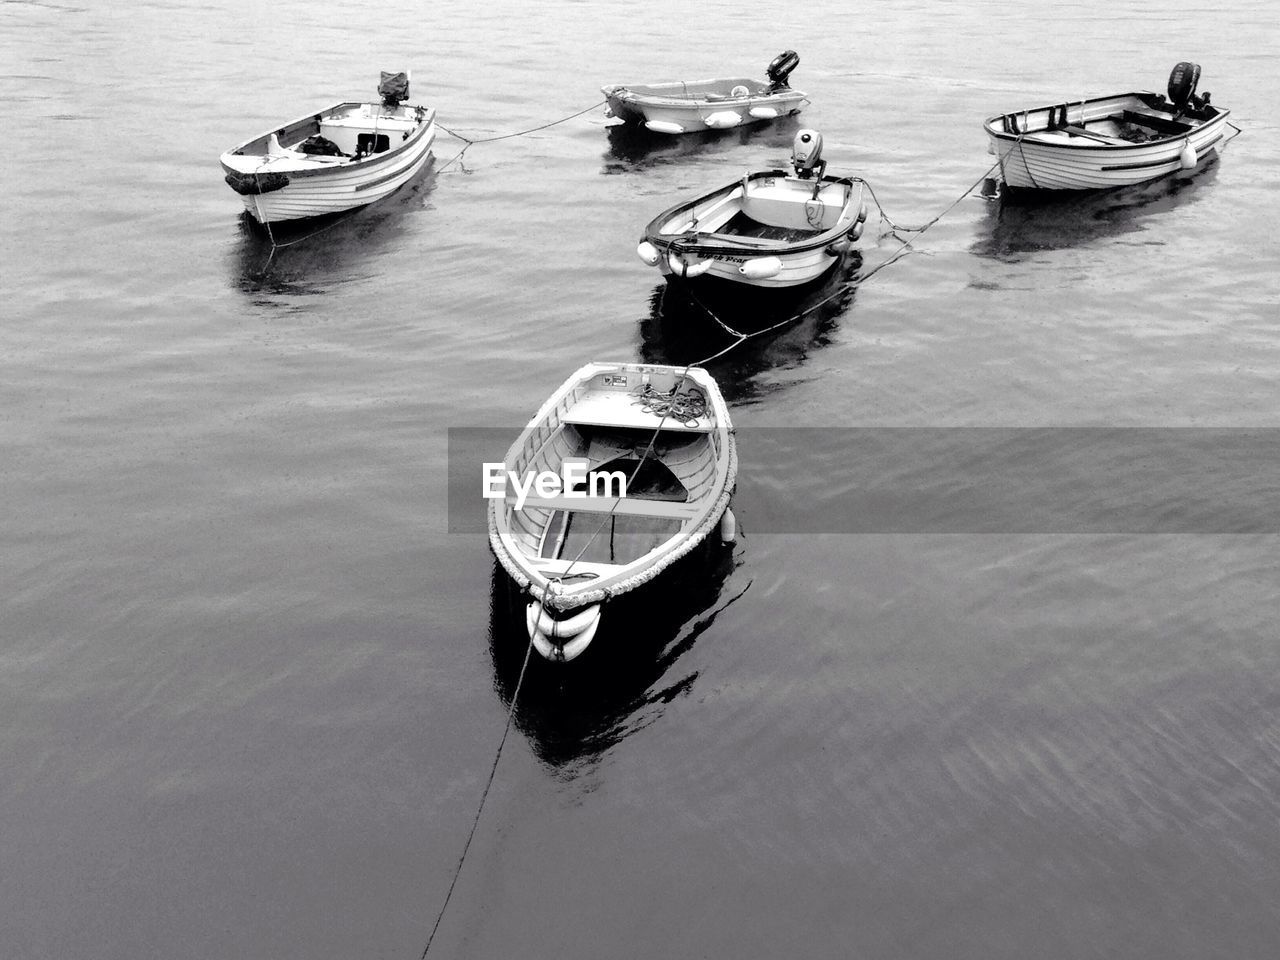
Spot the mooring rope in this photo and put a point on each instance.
(469, 143)
(843, 288)
(484, 795)
(669, 405)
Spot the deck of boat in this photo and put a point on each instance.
(742, 225)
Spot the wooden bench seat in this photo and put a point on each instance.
(1091, 135)
(1165, 125)
(626, 506)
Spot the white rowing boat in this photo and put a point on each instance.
(769, 229)
(657, 451)
(1110, 141)
(688, 106)
(345, 156)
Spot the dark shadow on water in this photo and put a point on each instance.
(1023, 222)
(312, 256)
(680, 327)
(632, 147)
(573, 712)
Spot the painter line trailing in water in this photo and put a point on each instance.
(668, 410)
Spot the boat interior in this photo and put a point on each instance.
(606, 423)
(731, 88)
(769, 210)
(1125, 120)
(348, 131)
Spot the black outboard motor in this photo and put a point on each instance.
(806, 154)
(781, 68)
(1182, 87)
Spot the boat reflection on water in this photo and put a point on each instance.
(1021, 223)
(311, 255)
(634, 148)
(784, 326)
(573, 712)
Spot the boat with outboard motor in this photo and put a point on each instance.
(769, 229)
(687, 106)
(1110, 141)
(647, 462)
(343, 157)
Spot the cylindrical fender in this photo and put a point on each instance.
(838, 248)
(764, 113)
(761, 268)
(722, 120)
(862, 212)
(648, 253)
(663, 126)
(728, 526)
(1188, 156)
(562, 653)
(538, 618)
(682, 269)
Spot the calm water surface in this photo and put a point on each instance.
(250, 686)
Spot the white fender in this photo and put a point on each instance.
(837, 248)
(538, 618)
(862, 212)
(648, 253)
(1188, 156)
(663, 126)
(562, 653)
(761, 268)
(728, 526)
(681, 269)
(763, 113)
(722, 120)
(856, 232)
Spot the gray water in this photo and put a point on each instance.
(251, 686)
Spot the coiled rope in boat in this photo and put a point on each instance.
(685, 408)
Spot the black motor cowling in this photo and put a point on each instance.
(1182, 84)
(781, 66)
(393, 88)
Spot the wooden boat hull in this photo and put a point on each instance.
(698, 105)
(280, 185)
(551, 547)
(702, 238)
(1038, 151)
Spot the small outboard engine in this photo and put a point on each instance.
(806, 154)
(780, 68)
(1182, 87)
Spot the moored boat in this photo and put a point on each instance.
(769, 229)
(687, 106)
(648, 462)
(1110, 141)
(343, 157)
